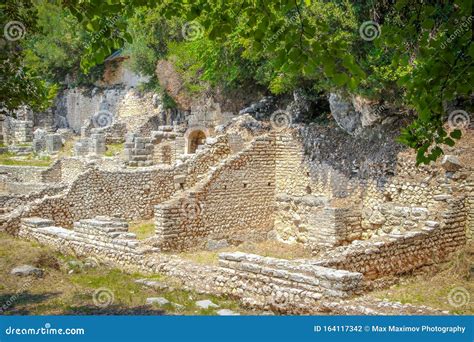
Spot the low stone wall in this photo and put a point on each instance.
(260, 282)
(23, 173)
(11, 201)
(400, 253)
(100, 236)
(235, 202)
(283, 285)
(63, 170)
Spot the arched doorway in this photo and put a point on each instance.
(195, 139)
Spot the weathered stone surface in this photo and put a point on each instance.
(27, 270)
(206, 304)
(451, 163)
(157, 300)
(157, 285)
(213, 245)
(227, 312)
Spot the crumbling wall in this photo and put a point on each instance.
(260, 282)
(396, 254)
(17, 131)
(235, 202)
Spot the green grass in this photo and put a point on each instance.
(66, 289)
(114, 149)
(29, 160)
(143, 229)
(432, 288)
(269, 248)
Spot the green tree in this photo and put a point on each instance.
(20, 85)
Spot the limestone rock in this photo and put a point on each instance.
(344, 113)
(451, 163)
(157, 300)
(206, 304)
(27, 270)
(227, 312)
(213, 245)
(157, 285)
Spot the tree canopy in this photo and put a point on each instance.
(417, 55)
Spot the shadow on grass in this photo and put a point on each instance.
(143, 310)
(12, 303)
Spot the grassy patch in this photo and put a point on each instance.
(114, 149)
(268, 248)
(143, 229)
(433, 288)
(29, 160)
(68, 288)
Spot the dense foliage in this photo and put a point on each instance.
(417, 55)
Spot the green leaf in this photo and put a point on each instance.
(449, 142)
(456, 134)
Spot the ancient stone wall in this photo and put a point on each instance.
(161, 147)
(101, 235)
(22, 173)
(235, 202)
(261, 282)
(283, 285)
(17, 131)
(16, 198)
(399, 253)
(310, 220)
(99, 190)
(63, 170)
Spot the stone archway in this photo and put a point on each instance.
(195, 138)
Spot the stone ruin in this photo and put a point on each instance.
(49, 143)
(162, 147)
(209, 186)
(90, 146)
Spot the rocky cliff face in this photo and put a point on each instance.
(359, 116)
